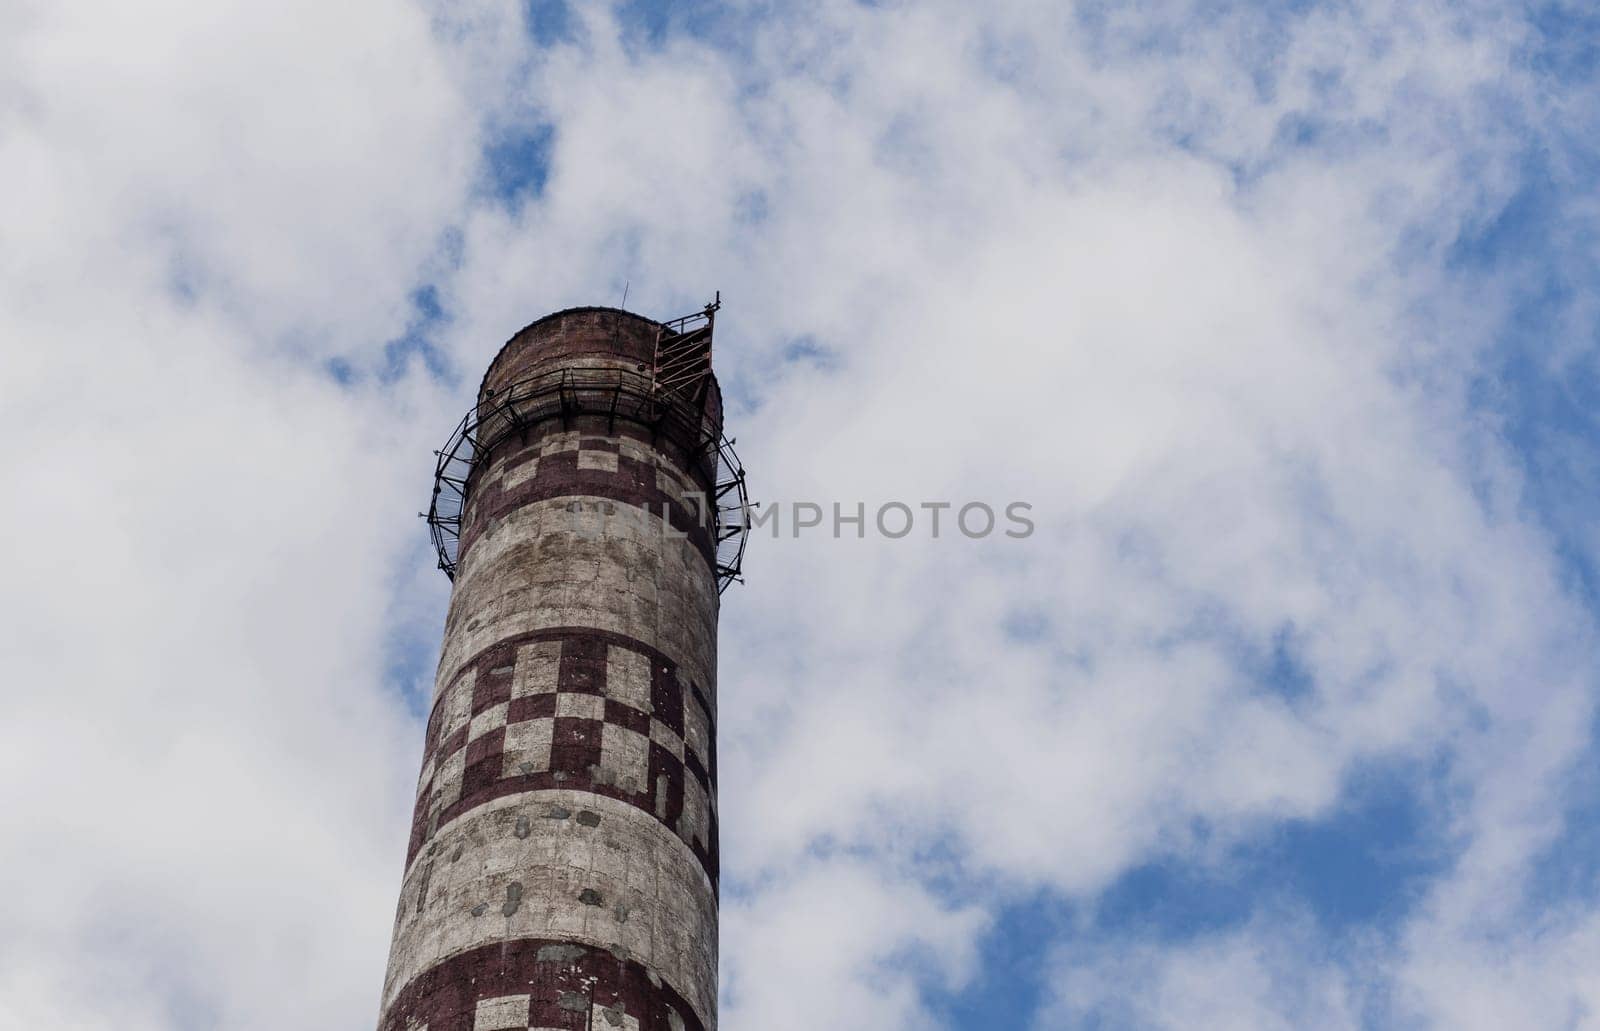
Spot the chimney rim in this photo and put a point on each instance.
(581, 309)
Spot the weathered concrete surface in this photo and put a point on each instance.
(572, 561)
(560, 866)
(562, 871)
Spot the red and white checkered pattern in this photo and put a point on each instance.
(576, 709)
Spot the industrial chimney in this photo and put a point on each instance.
(562, 868)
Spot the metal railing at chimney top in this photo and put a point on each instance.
(616, 394)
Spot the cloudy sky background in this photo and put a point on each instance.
(1284, 318)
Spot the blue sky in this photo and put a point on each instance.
(1283, 318)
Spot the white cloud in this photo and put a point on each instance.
(206, 774)
(1253, 978)
(837, 943)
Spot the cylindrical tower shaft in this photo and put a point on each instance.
(562, 869)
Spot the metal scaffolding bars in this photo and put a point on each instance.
(616, 394)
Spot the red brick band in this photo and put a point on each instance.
(539, 983)
(560, 474)
(671, 730)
